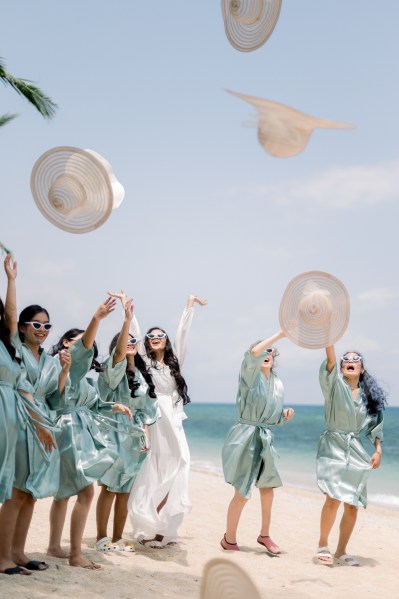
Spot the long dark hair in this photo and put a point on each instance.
(374, 396)
(171, 361)
(5, 332)
(140, 364)
(69, 336)
(27, 314)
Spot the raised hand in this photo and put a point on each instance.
(128, 309)
(194, 299)
(10, 266)
(122, 296)
(105, 309)
(65, 360)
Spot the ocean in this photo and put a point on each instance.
(296, 443)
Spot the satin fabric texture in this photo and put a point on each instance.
(113, 387)
(343, 464)
(84, 455)
(36, 471)
(248, 453)
(12, 417)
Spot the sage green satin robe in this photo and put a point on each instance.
(12, 417)
(343, 464)
(248, 453)
(36, 471)
(113, 387)
(84, 455)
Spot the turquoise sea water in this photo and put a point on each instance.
(296, 443)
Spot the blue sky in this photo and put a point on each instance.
(206, 209)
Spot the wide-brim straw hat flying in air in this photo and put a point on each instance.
(314, 310)
(249, 23)
(285, 131)
(75, 189)
(223, 579)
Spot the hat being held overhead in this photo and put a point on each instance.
(249, 23)
(223, 579)
(285, 131)
(75, 189)
(314, 310)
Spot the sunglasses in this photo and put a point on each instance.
(269, 350)
(39, 325)
(351, 359)
(156, 335)
(132, 341)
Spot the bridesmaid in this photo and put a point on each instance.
(84, 456)
(248, 453)
(15, 414)
(354, 402)
(124, 379)
(159, 498)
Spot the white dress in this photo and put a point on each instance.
(166, 469)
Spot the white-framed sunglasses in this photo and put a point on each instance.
(46, 326)
(351, 359)
(156, 335)
(132, 341)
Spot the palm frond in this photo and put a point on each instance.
(30, 91)
(6, 118)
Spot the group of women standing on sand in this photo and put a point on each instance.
(354, 404)
(62, 431)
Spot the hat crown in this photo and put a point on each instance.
(246, 12)
(66, 194)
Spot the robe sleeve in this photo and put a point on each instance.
(251, 369)
(182, 333)
(81, 359)
(327, 380)
(135, 331)
(113, 373)
(374, 428)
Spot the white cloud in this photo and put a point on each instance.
(378, 297)
(336, 188)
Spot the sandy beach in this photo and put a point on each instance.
(176, 572)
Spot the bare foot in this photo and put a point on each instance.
(81, 562)
(57, 552)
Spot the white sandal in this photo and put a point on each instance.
(347, 560)
(105, 545)
(323, 557)
(124, 545)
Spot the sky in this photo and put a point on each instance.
(207, 210)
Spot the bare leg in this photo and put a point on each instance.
(346, 527)
(266, 501)
(78, 523)
(103, 510)
(327, 519)
(120, 515)
(233, 516)
(21, 530)
(8, 519)
(57, 520)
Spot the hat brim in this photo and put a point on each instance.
(248, 25)
(74, 189)
(314, 310)
(224, 579)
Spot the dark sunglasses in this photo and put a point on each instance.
(132, 341)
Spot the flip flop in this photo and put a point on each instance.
(35, 565)
(16, 570)
(347, 560)
(151, 543)
(270, 545)
(323, 557)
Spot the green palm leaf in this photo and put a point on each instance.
(30, 91)
(6, 118)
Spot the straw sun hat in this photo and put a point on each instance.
(285, 131)
(223, 579)
(314, 310)
(75, 189)
(249, 23)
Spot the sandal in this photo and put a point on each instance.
(347, 560)
(323, 557)
(124, 545)
(151, 543)
(270, 545)
(105, 545)
(16, 570)
(36, 565)
(228, 546)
